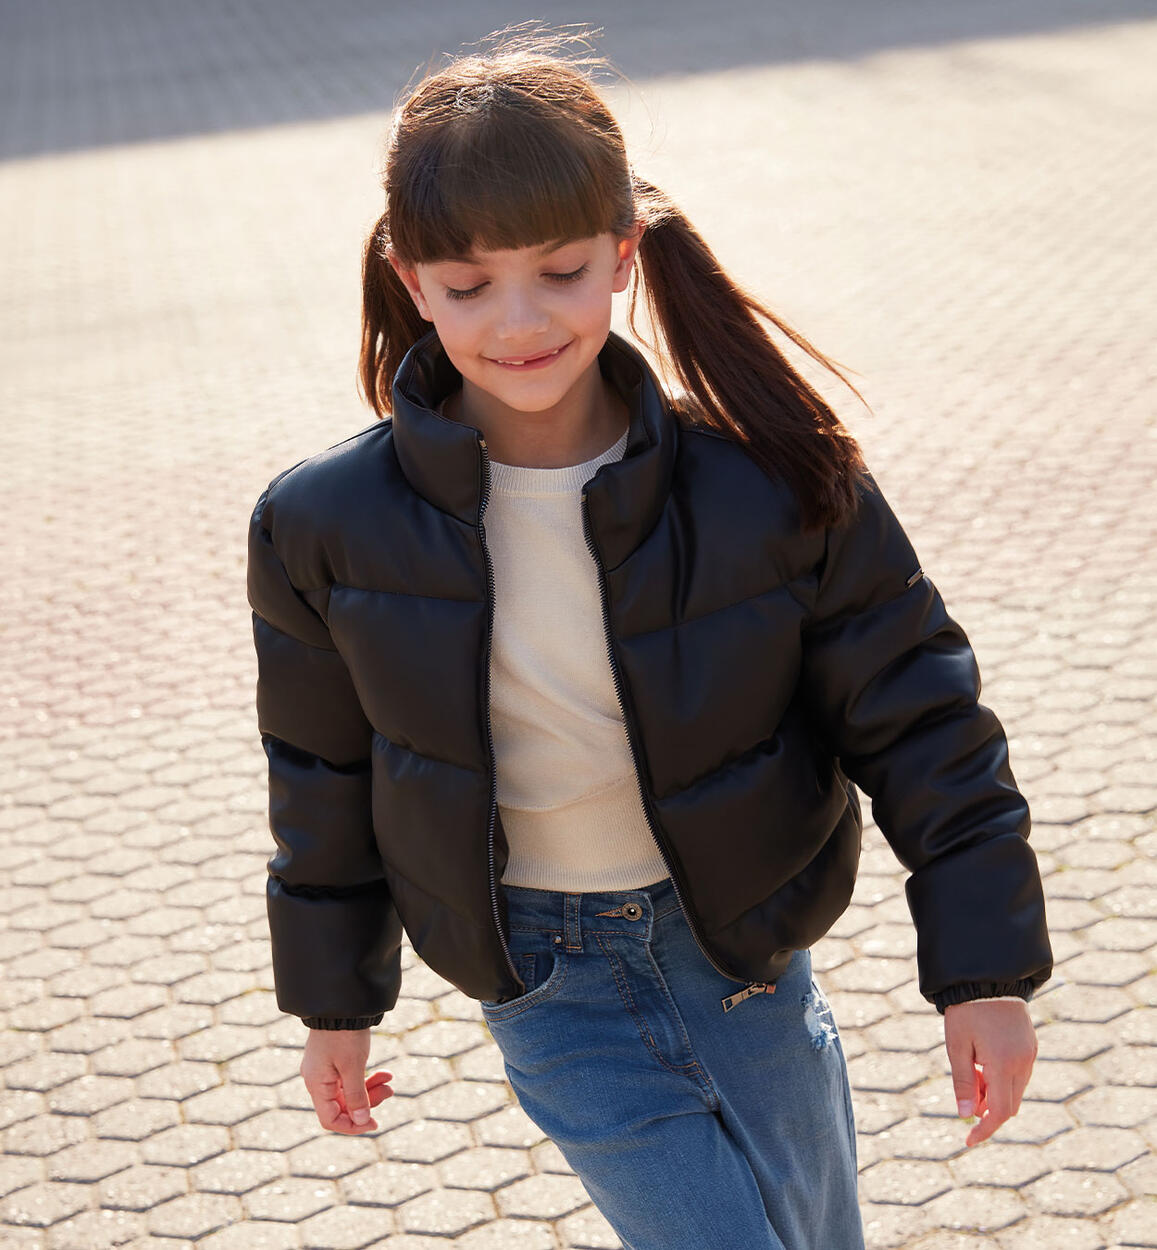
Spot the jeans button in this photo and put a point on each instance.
(632, 911)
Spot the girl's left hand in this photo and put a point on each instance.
(991, 1047)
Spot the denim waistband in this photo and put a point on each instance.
(630, 913)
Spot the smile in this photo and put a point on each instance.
(531, 362)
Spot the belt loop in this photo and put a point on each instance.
(571, 922)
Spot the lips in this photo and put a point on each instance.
(529, 362)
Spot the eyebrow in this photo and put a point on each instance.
(470, 259)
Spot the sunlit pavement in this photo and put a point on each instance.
(960, 214)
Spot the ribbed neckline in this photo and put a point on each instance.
(516, 479)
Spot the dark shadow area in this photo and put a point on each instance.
(76, 74)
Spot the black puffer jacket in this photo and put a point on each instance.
(759, 669)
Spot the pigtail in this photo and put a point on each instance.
(742, 384)
(391, 324)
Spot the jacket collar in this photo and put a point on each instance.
(442, 459)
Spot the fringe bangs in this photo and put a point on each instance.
(500, 177)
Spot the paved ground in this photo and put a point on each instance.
(956, 205)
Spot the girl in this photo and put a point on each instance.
(575, 684)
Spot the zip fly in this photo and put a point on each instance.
(493, 876)
(754, 987)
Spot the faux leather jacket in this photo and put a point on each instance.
(761, 670)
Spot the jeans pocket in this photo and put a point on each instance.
(543, 973)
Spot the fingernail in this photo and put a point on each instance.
(361, 1116)
(964, 1109)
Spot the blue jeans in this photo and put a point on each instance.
(692, 1128)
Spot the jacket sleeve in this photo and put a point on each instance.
(894, 686)
(335, 933)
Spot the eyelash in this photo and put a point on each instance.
(562, 278)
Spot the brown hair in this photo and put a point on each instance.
(513, 147)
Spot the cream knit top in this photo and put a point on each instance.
(567, 793)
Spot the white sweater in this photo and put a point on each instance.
(567, 792)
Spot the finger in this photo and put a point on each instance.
(998, 1111)
(357, 1098)
(964, 1076)
(324, 1094)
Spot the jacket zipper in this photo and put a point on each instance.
(753, 987)
(493, 876)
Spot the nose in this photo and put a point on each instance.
(522, 316)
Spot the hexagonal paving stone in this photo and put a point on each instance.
(194, 1215)
(890, 1227)
(890, 1071)
(1095, 1149)
(269, 1066)
(252, 1235)
(43, 1204)
(179, 1080)
(547, 1197)
(96, 1230)
(445, 1212)
(132, 1057)
(44, 1134)
(136, 1119)
(1058, 1080)
(426, 1141)
(1050, 1232)
(1115, 1107)
(1037, 1122)
(92, 1160)
(487, 1167)
(463, 1101)
(509, 1127)
(1128, 1065)
(508, 1235)
(172, 1021)
(186, 1145)
(389, 1184)
(907, 1183)
(975, 1210)
(444, 1038)
(278, 1130)
(20, 1104)
(416, 1074)
(44, 1072)
(588, 1230)
(221, 1042)
(142, 1187)
(90, 1094)
(19, 1171)
(331, 1156)
(238, 1171)
(1076, 1193)
(346, 1228)
(1132, 1224)
(924, 1137)
(123, 1002)
(291, 1199)
(229, 1104)
(1003, 1164)
(1072, 1041)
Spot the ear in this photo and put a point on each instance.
(409, 277)
(628, 246)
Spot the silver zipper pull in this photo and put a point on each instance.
(755, 987)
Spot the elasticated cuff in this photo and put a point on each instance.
(342, 1022)
(969, 991)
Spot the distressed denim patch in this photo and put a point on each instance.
(817, 1017)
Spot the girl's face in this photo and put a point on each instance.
(524, 325)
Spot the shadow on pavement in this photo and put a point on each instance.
(76, 75)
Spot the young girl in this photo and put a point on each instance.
(575, 686)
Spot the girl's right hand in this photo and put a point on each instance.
(334, 1068)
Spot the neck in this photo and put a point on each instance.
(583, 424)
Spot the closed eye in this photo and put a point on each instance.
(573, 276)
